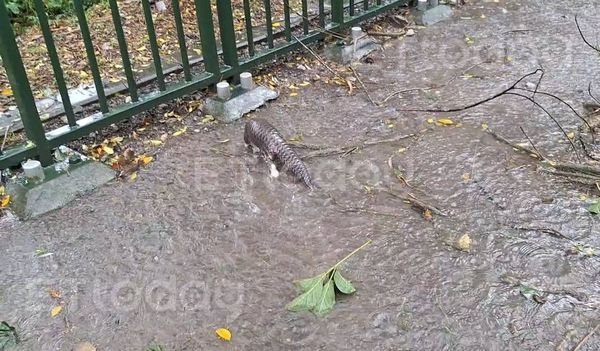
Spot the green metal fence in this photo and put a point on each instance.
(218, 64)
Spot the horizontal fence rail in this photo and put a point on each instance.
(223, 55)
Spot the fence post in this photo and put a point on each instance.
(337, 12)
(227, 32)
(11, 59)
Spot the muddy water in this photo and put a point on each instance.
(204, 239)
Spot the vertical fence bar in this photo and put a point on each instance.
(185, 62)
(91, 55)
(288, 22)
(322, 14)
(305, 17)
(227, 33)
(337, 11)
(55, 61)
(11, 59)
(207, 36)
(351, 7)
(365, 5)
(378, 2)
(269, 23)
(249, 35)
(153, 45)
(114, 9)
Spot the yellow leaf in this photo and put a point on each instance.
(207, 119)
(464, 243)
(4, 201)
(469, 40)
(427, 214)
(6, 92)
(445, 121)
(145, 159)
(276, 25)
(133, 176)
(223, 334)
(83, 74)
(294, 94)
(154, 142)
(56, 311)
(304, 84)
(466, 177)
(430, 120)
(197, 51)
(109, 150)
(484, 126)
(582, 197)
(2, 190)
(181, 131)
(571, 135)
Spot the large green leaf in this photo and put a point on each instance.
(595, 207)
(327, 299)
(309, 299)
(306, 284)
(342, 284)
(8, 336)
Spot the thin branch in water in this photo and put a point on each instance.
(362, 85)
(560, 100)
(592, 95)
(586, 338)
(481, 102)
(552, 118)
(583, 36)
(516, 146)
(532, 144)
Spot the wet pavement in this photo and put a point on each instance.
(204, 239)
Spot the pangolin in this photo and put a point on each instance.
(260, 134)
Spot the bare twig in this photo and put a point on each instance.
(592, 95)
(516, 146)
(5, 137)
(532, 144)
(415, 202)
(431, 87)
(362, 85)
(391, 35)
(586, 338)
(311, 51)
(583, 36)
(329, 151)
(552, 232)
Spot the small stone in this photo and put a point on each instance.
(160, 6)
(410, 32)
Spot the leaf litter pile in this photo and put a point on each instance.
(72, 54)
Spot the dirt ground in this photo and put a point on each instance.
(204, 239)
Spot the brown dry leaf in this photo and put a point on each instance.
(56, 311)
(55, 294)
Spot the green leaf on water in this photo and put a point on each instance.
(342, 284)
(8, 336)
(595, 207)
(318, 293)
(327, 299)
(309, 299)
(306, 284)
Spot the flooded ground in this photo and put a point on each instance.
(204, 239)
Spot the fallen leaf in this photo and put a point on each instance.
(4, 201)
(84, 346)
(207, 119)
(55, 294)
(571, 135)
(6, 92)
(144, 159)
(294, 94)
(466, 177)
(223, 333)
(179, 132)
(445, 121)
(594, 208)
(133, 176)
(427, 214)
(484, 126)
(108, 150)
(464, 243)
(8, 336)
(342, 284)
(153, 142)
(532, 294)
(430, 120)
(56, 311)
